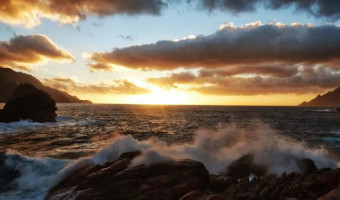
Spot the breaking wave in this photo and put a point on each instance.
(26, 178)
(31, 178)
(216, 149)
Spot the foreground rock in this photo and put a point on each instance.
(29, 103)
(244, 167)
(115, 180)
(189, 180)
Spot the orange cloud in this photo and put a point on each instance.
(229, 46)
(22, 51)
(305, 80)
(29, 12)
(115, 87)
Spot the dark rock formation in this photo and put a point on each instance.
(245, 166)
(189, 180)
(330, 99)
(116, 180)
(306, 165)
(10, 79)
(29, 103)
(338, 109)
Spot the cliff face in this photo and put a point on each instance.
(330, 99)
(10, 79)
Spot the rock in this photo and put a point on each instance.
(29, 103)
(306, 165)
(118, 180)
(332, 195)
(244, 166)
(338, 109)
(220, 183)
(193, 195)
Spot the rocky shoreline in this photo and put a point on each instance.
(189, 180)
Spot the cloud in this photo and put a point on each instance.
(30, 12)
(175, 78)
(302, 80)
(114, 87)
(22, 51)
(126, 37)
(318, 8)
(254, 44)
(100, 67)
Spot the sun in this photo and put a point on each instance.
(161, 97)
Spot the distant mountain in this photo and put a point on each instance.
(10, 79)
(330, 99)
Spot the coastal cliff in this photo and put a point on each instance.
(10, 79)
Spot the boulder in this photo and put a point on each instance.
(306, 165)
(29, 103)
(244, 166)
(119, 180)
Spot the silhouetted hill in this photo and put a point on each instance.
(10, 79)
(330, 99)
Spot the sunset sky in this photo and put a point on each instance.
(216, 52)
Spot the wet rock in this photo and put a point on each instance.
(29, 103)
(193, 195)
(188, 179)
(7, 174)
(332, 195)
(306, 165)
(118, 180)
(245, 166)
(220, 183)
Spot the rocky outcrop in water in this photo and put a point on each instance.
(10, 79)
(330, 99)
(29, 103)
(116, 180)
(189, 180)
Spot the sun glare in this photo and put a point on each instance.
(161, 97)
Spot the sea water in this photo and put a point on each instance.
(35, 156)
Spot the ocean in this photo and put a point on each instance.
(36, 155)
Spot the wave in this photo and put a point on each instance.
(27, 125)
(216, 150)
(27, 178)
(324, 110)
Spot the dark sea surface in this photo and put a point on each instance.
(40, 150)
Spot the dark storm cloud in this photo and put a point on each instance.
(21, 51)
(318, 8)
(252, 44)
(29, 12)
(115, 87)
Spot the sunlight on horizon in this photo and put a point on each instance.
(160, 97)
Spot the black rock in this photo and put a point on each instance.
(117, 180)
(306, 165)
(29, 103)
(244, 166)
